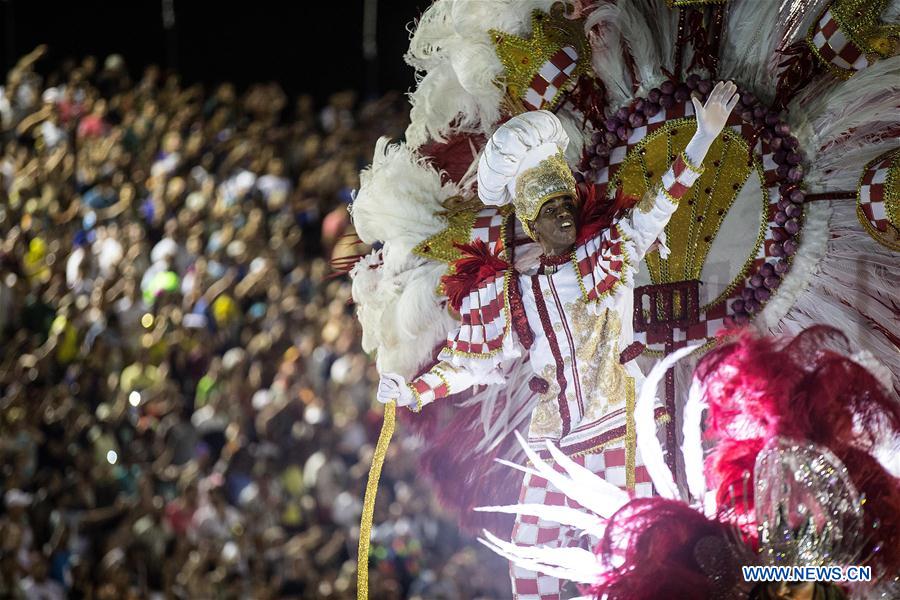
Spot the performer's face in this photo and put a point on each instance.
(555, 226)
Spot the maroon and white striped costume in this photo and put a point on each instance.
(579, 313)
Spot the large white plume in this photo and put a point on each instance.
(843, 126)
(398, 203)
(459, 74)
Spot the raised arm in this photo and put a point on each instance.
(649, 218)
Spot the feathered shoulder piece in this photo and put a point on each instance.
(596, 212)
(477, 265)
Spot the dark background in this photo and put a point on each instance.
(307, 46)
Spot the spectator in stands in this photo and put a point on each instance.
(185, 411)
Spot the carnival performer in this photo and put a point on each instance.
(571, 313)
(800, 471)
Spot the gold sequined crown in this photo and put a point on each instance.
(550, 178)
(540, 69)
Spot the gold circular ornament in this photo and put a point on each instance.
(878, 199)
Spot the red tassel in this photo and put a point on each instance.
(589, 97)
(517, 314)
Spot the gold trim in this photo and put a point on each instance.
(874, 233)
(437, 372)
(418, 398)
(630, 435)
(889, 184)
(697, 170)
(551, 178)
(891, 191)
(670, 197)
(368, 512)
(858, 21)
(686, 3)
(829, 66)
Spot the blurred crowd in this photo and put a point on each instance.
(185, 411)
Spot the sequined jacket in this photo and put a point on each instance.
(579, 317)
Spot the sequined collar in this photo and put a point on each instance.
(551, 264)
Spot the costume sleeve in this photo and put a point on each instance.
(649, 217)
(443, 380)
(475, 350)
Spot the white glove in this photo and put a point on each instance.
(393, 388)
(711, 118)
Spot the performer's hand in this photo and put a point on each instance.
(393, 388)
(712, 116)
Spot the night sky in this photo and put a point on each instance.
(313, 47)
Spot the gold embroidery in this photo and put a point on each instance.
(859, 22)
(602, 376)
(649, 199)
(523, 58)
(546, 421)
(551, 178)
(440, 246)
(694, 226)
(890, 237)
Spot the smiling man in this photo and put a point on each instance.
(570, 310)
(554, 227)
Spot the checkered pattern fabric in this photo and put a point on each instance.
(872, 194)
(430, 387)
(533, 531)
(601, 262)
(712, 319)
(488, 226)
(679, 178)
(484, 319)
(834, 47)
(551, 79)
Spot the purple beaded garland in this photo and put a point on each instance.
(775, 134)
